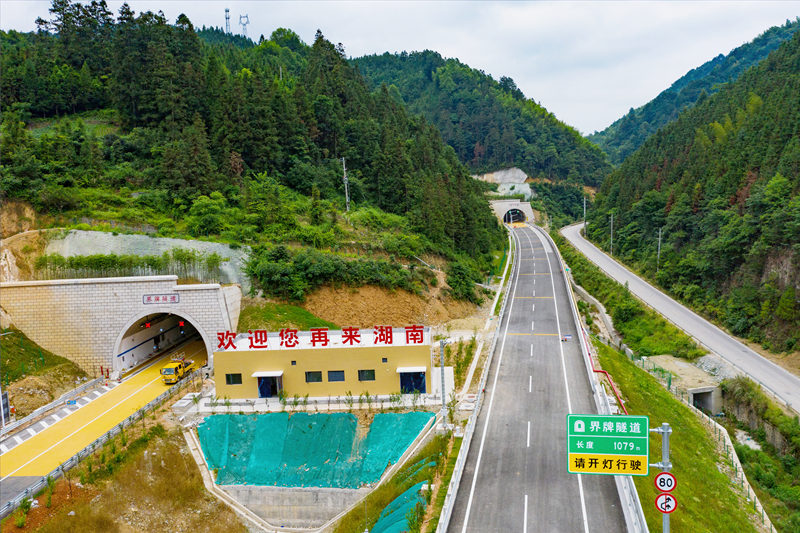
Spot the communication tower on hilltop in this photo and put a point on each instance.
(244, 20)
(227, 21)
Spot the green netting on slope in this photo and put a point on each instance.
(306, 450)
(389, 436)
(393, 517)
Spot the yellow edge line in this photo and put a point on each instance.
(521, 297)
(544, 297)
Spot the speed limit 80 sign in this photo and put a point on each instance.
(665, 482)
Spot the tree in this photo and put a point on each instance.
(207, 215)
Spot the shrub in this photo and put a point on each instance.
(462, 278)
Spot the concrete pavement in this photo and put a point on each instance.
(781, 383)
(516, 478)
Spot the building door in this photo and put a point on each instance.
(265, 387)
(269, 386)
(412, 381)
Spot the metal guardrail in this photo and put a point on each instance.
(8, 428)
(11, 505)
(461, 460)
(628, 495)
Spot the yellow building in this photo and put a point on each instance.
(321, 362)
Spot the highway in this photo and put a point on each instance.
(780, 382)
(515, 478)
(41, 453)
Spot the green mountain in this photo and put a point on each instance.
(177, 128)
(490, 124)
(723, 182)
(624, 136)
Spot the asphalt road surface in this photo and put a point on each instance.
(515, 478)
(783, 384)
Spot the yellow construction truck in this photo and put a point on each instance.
(176, 369)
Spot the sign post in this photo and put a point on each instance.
(608, 444)
(666, 503)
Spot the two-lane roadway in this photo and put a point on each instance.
(783, 384)
(515, 478)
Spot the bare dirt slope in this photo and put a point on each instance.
(365, 307)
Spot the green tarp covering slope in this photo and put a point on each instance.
(305, 450)
(393, 517)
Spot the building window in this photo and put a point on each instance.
(366, 375)
(384, 360)
(294, 363)
(233, 379)
(335, 375)
(314, 376)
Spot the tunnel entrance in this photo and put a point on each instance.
(153, 335)
(513, 215)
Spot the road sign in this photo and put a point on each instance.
(665, 482)
(666, 503)
(608, 444)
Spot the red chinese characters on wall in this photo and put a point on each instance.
(258, 338)
(319, 336)
(414, 334)
(289, 338)
(382, 335)
(226, 340)
(351, 336)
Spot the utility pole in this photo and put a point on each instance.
(244, 20)
(658, 256)
(346, 187)
(441, 360)
(612, 234)
(584, 213)
(664, 465)
(227, 21)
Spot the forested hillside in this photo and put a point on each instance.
(221, 137)
(490, 124)
(624, 136)
(723, 181)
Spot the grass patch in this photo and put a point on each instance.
(99, 123)
(422, 466)
(644, 330)
(701, 486)
(505, 284)
(273, 317)
(459, 356)
(20, 357)
(149, 491)
(444, 482)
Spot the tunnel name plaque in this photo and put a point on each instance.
(608, 444)
(161, 298)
